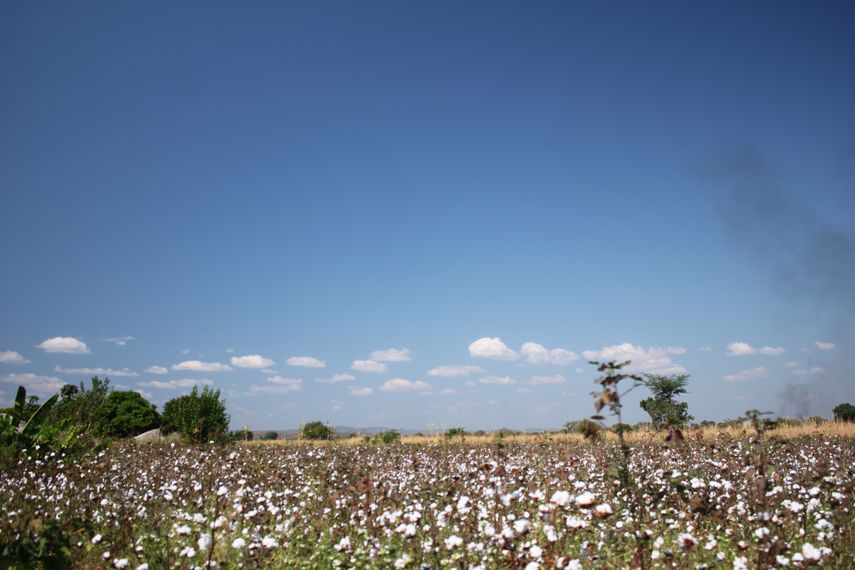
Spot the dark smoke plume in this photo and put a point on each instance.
(811, 264)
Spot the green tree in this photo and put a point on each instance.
(270, 436)
(79, 405)
(844, 412)
(389, 436)
(316, 430)
(125, 414)
(198, 417)
(455, 432)
(665, 412)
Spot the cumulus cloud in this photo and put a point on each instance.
(120, 340)
(402, 385)
(815, 371)
(361, 392)
(181, 383)
(538, 354)
(306, 361)
(64, 344)
(461, 371)
(743, 349)
(34, 383)
(492, 348)
(749, 374)
(124, 372)
(497, 380)
(553, 379)
(391, 355)
(277, 385)
(336, 378)
(156, 370)
(368, 366)
(199, 366)
(12, 357)
(250, 361)
(825, 345)
(652, 360)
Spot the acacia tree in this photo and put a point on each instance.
(665, 412)
(316, 430)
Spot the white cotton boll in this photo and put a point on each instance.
(561, 498)
(586, 499)
(238, 543)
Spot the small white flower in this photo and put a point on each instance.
(561, 498)
(810, 552)
(586, 499)
(204, 542)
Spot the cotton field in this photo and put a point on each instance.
(709, 503)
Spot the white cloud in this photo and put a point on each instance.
(402, 385)
(447, 392)
(391, 355)
(64, 344)
(147, 395)
(34, 383)
(705, 348)
(361, 392)
(156, 370)
(283, 381)
(554, 379)
(369, 366)
(498, 380)
(751, 373)
(274, 389)
(815, 371)
(199, 366)
(652, 360)
(181, 383)
(306, 361)
(336, 378)
(538, 354)
(12, 357)
(124, 372)
(336, 406)
(277, 385)
(825, 345)
(743, 349)
(492, 348)
(250, 361)
(120, 340)
(791, 364)
(185, 351)
(461, 371)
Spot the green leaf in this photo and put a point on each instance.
(34, 422)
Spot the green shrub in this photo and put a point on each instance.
(389, 436)
(316, 430)
(455, 432)
(844, 412)
(198, 417)
(270, 436)
(125, 414)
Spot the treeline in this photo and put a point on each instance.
(84, 418)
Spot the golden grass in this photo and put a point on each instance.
(806, 429)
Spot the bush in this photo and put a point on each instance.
(125, 414)
(844, 412)
(455, 432)
(198, 417)
(270, 436)
(390, 436)
(316, 430)
(79, 406)
(241, 435)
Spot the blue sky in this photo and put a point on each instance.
(218, 180)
